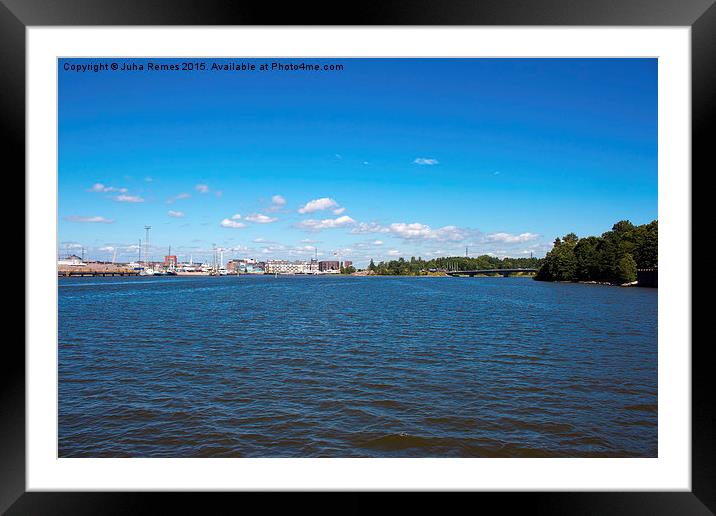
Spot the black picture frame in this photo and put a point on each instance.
(17, 15)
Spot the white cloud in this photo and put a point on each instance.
(368, 246)
(127, 198)
(236, 216)
(339, 211)
(393, 252)
(414, 231)
(369, 227)
(277, 202)
(507, 238)
(303, 250)
(108, 248)
(228, 223)
(323, 203)
(316, 225)
(178, 197)
(99, 187)
(260, 219)
(426, 161)
(77, 218)
(175, 214)
(202, 188)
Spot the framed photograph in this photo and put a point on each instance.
(419, 252)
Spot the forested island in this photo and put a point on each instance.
(420, 267)
(613, 257)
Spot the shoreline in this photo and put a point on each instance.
(432, 275)
(602, 283)
(88, 274)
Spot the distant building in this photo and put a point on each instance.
(244, 266)
(232, 266)
(328, 265)
(281, 267)
(170, 261)
(253, 268)
(71, 260)
(190, 267)
(291, 267)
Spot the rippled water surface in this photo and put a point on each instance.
(355, 367)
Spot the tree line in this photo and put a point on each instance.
(612, 257)
(419, 266)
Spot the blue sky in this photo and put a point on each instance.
(401, 157)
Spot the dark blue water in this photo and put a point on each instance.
(355, 367)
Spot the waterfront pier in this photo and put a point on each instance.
(74, 272)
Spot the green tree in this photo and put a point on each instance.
(560, 264)
(613, 257)
(570, 239)
(646, 251)
(623, 227)
(586, 252)
(626, 270)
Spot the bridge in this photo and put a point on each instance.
(503, 272)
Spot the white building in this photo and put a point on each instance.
(295, 267)
(71, 260)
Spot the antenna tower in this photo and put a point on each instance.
(146, 246)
